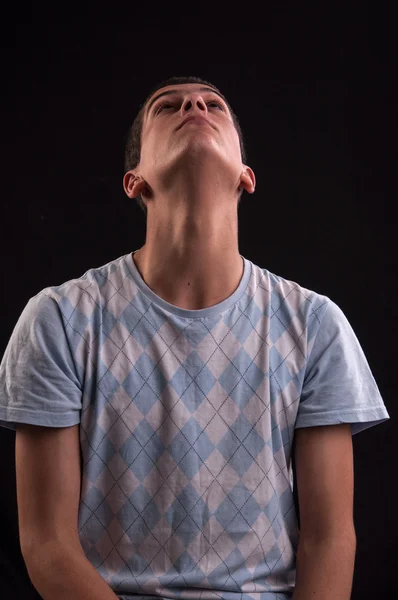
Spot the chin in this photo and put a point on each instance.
(201, 150)
(203, 145)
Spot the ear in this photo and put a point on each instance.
(248, 180)
(133, 184)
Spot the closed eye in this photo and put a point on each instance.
(162, 106)
(218, 104)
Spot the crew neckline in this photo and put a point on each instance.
(184, 312)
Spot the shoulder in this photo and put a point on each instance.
(293, 302)
(83, 293)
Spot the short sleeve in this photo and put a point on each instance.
(38, 379)
(338, 385)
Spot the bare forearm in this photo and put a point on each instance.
(325, 570)
(64, 573)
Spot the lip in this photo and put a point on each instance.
(195, 118)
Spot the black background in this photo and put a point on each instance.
(314, 88)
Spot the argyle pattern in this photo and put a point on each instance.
(186, 421)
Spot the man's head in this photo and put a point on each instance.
(149, 137)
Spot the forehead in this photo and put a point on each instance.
(185, 87)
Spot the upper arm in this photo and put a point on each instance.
(48, 477)
(325, 480)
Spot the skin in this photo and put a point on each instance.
(189, 180)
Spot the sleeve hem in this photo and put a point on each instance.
(11, 417)
(359, 419)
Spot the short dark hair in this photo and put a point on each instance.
(132, 153)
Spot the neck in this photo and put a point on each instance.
(191, 257)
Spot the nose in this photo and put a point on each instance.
(193, 102)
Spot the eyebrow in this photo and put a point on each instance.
(169, 92)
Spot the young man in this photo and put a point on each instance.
(190, 176)
(184, 374)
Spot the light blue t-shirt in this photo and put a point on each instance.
(187, 420)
